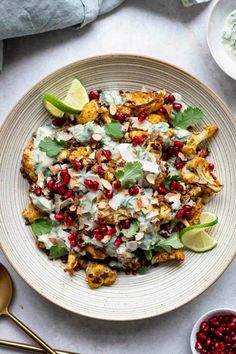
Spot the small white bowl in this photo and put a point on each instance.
(206, 316)
(218, 14)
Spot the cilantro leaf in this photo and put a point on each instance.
(57, 252)
(41, 227)
(52, 147)
(113, 129)
(169, 179)
(148, 255)
(189, 117)
(131, 231)
(143, 270)
(170, 242)
(131, 174)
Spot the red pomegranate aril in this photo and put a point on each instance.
(95, 186)
(118, 242)
(162, 190)
(180, 214)
(232, 325)
(57, 122)
(59, 217)
(77, 164)
(69, 220)
(109, 194)
(226, 319)
(170, 151)
(64, 172)
(117, 185)
(187, 207)
(111, 231)
(135, 141)
(179, 165)
(169, 99)
(203, 325)
(126, 224)
(233, 319)
(93, 95)
(104, 229)
(121, 117)
(73, 243)
(68, 194)
(57, 186)
(198, 345)
(201, 336)
(66, 179)
(179, 144)
(208, 342)
(162, 110)
(141, 140)
(176, 150)
(101, 170)
(96, 230)
(211, 166)
(180, 188)
(228, 339)
(38, 191)
(50, 184)
(134, 190)
(173, 185)
(218, 334)
(142, 116)
(107, 154)
(234, 339)
(88, 183)
(62, 190)
(187, 215)
(99, 236)
(177, 106)
(72, 236)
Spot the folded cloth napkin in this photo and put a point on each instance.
(25, 17)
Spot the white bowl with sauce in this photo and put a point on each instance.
(222, 53)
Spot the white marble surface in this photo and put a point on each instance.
(162, 29)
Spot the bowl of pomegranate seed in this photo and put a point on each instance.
(215, 332)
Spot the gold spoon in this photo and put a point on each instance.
(6, 292)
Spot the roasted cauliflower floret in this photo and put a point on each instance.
(100, 274)
(197, 138)
(197, 171)
(63, 155)
(125, 110)
(96, 253)
(139, 133)
(156, 118)
(72, 262)
(28, 162)
(165, 213)
(80, 152)
(175, 255)
(32, 213)
(144, 101)
(89, 113)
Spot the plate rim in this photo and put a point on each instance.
(38, 84)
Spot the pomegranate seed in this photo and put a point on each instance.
(226, 319)
(73, 243)
(50, 184)
(107, 154)
(228, 339)
(169, 99)
(187, 215)
(117, 185)
(57, 122)
(99, 236)
(201, 336)
(72, 236)
(64, 172)
(68, 194)
(214, 322)
(162, 110)
(118, 242)
(121, 117)
(208, 342)
(134, 190)
(93, 95)
(232, 325)
(141, 140)
(135, 141)
(211, 166)
(234, 339)
(170, 151)
(198, 345)
(101, 170)
(126, 224)
(218, 334)
(177, 106)
(69, 220)
(162, 190)
(104, 229)
(173, 185)
(96, 231)
(109, 194)
(142, 116)
(57, 186)
(111, 231)
(59, 217)
(180, 188)
(95, 186)
(179, 144)
(176, 150)
(188, 208)
(38, 191)
(179, 165)
(180, 214)
(88, 183)
(77, 164)
(62, 190)
(66, 179)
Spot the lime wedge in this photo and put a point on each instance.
(198, 241)
(207, 220)
(55, 112)
(74, 102)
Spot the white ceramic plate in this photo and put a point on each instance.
(218, 14)
(132, 297)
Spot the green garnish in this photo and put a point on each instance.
(57, 252)
(169, 179)
(189, 117)
(52, 147)
(131, 231)
(131, 174)
(143, 270)
(170, 242)
(113, 129)
(42, 227)
(148, 255)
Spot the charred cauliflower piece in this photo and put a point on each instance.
(197, 138)
(27, 162)
(72, 262)
(80, 152)
(156, 118)
(32, 213)
(165, 213)
(144, 101)
(197, 171)
(175, 255)
(100, 274)
(96, 253)
(89, 113)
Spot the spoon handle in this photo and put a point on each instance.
(28, 347)
(38, 340)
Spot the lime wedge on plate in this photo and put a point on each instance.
(74, 102)
(196, 238)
